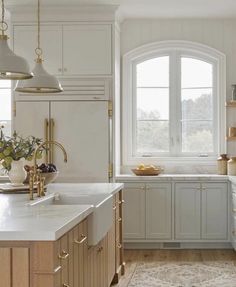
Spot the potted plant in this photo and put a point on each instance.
(13, 151)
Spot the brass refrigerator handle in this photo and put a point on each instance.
(51, 138)
(46, 135)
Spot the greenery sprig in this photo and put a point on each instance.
(17, 147)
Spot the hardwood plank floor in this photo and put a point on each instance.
(133, 257)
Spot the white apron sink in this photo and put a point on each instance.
(99, 222)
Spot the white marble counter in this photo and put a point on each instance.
(20, 221)
(172, 177)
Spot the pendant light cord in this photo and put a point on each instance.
(4, 25)
(38, 50)
(3, 14)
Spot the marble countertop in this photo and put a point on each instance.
(20, 221)
(172, 177)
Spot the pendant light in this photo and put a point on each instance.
(42, 82)
(12, 67)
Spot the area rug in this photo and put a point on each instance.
(184, 274)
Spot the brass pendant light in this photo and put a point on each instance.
(42, 82)
(12, 67)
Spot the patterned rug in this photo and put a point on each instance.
(184, 274)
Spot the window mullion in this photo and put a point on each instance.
(178, 105)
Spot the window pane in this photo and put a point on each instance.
(197, 104)
(196, 73)
(5, 108)
(152, 136)
(197, 137)
(153, 73)
(153, 103)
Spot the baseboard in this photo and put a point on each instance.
(179, 245)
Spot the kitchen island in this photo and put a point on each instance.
(45, 242)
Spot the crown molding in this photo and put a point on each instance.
(52, 13)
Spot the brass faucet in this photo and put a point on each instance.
(35, 175)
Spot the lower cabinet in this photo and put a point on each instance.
(177, 211)
(201, 211)
(147, 211)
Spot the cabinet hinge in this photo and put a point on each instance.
(110, 170)
(14, 108)
(110, 109)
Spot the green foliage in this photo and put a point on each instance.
(16, 147)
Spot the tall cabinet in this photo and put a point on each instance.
(81, 53)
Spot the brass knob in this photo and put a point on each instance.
(65, 285)
(121, 201)
(119, 219)
(119, 245)
(63, 255)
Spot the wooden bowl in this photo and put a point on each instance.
(147, 172)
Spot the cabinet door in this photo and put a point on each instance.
(30, 118)
(134, 211)
(158, 211)
(214, 211)
(187, 211)
(82, 127)
(25, 42)
(87, 49)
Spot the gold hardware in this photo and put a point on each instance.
(63, 255)
(100, 249)
(65, 285)
(110, 170)
(119, 245)
(57, 269)
(46, 130)
(110, 109)
(114, 207)
(121, 201)
(51, 138)
(34, 175)
(14, 109)
(119, 219)
(84, 237)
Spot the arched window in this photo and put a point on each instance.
(173, 101)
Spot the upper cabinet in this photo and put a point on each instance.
(68, 50)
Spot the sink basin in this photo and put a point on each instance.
(99, 222)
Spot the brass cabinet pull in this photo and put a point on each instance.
(65, 285)
(119, 219)
(46, 134)
(114, 207)
(119, 245)
(63, 255)
(57, 269)
(121, 201)
(83, 238)
(51, 138)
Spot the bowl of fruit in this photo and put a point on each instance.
(48, 171)
(147, 170)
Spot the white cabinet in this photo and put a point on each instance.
(69, 50)
(25, 42)
(187, 211)
(158, 211)
(214, 211)
(201, 211)
(147, 211)
(83, 129)
(134, 211)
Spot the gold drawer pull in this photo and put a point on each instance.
(121, 201)
(57, 269)
(65, 285)
(119, 219)
(114, 207)
(119, 245)
(63, 255)
(83, 238)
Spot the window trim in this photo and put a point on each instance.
(160, 49)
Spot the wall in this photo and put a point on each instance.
(216, 33)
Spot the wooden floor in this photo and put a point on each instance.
(132, 257)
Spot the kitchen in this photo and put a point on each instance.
(141, 86)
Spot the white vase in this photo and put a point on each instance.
(17, 174)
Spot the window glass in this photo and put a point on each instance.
(152, 106)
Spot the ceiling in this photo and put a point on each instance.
(154, 8)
